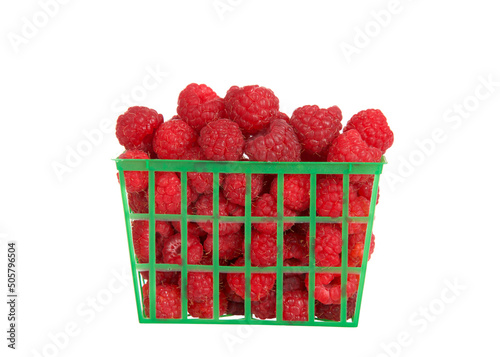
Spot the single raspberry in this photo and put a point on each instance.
(358, 207)
(136, 127)
(356, 248)
(168, 193)
(230, 294)
(332, 312)
(263, 249)
(172, 249)
(296, 191)
(138, 202)
(199, 105)
(365, 190)
(199, 286)
(276, 143)
(200, 182)
(328, 287)
(293, 281)
(266, 206)
(205, 309)
(230, 245)
(234, 187)
(350, 147)
(173, 138)
(329, 196)
(204, 207)
(328, 245)
(295, 307)
(260, 283)
(168, 301)
(140, 238)
(222, 140)
(265, 308)
(295, 249)
(315, 127)
(251, 107)
(373, 128)
(135, 181)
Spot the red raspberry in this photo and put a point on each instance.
(168, 193)
(350, 147)
(140, 238)
(373, 128)
(234, 187)
(138, 202)
(168, 301)
(295, 249)
(295, 306)
(204, 207)
(135, 181)
(199, 286)
(265, 308)
(296, 191)
(293, 281)
(173, 138)
(205, 309)
(263, 249)
(283, 116)
(358, 207)
(356, 248)
(230, 294)
(200, 182)
(328, 287)
(136, 127)
(235, 308)
(315, 127)
(266, 206)
(365, 190)
(328, 245)
(199, 105)
(222, 140)
(306, 157)
(251, 107)
(276, 143)
(172, 249)
(332, 312)
(260, 283)
(230, 245)
(329, 196)
(193, 227)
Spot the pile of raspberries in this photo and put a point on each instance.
(247, 125)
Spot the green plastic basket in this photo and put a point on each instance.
(248, 168)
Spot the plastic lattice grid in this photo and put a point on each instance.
(248, 168)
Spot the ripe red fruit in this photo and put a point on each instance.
(222, 140)
(135, 128)
(372, 126)
(173, 138)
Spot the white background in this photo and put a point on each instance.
(68, 73)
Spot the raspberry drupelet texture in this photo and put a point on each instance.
(372, 126)
(234, 187)
(172, 249)
(265, 308)
(315, 127)
(278, 143)
(266, 206)
(358, 207)
(295, 249)
(135, 181)
(356, 248)
(136, 127)
(329, 196)
(332, 312)
(328, 245)
(200, 182)
(295, 307)
(140, 238)
(328, 288)
(199, 105)
(138, 202)
(168, 193)
(264, 249)
(204, 309)
(173, 138)
(200, 286)
(222, 140)
(204, 207)
(168, 301)
(251, 107)
(260, 283)
(230, 245)
(296, 191)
